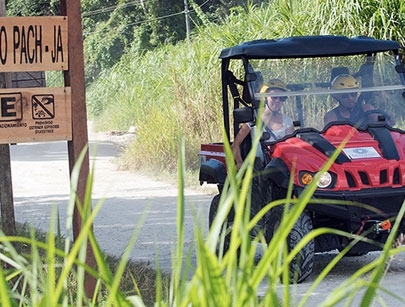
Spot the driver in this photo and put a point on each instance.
(349, 109)
(274, 121)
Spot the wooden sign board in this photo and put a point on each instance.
(35, 115)
(33, 43)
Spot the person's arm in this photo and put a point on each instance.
(374, 117)
(329, 117)
(289, 125)
(243, 132)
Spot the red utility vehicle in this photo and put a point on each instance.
(370, 169)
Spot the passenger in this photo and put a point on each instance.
(274, 121)
(349, 108)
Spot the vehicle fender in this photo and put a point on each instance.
(212, 171)
(278, 172)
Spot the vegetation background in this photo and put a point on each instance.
(145, 68)
(143, 71)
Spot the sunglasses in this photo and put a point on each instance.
(279, 98)
(348, 95)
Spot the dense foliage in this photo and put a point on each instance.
(175, 90)
(33, 8)
(113, 28)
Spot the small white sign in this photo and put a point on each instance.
(361, 153)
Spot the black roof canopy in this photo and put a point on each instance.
(307, 46)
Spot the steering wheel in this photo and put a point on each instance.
(387, 117)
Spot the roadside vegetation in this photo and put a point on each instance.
(48, 269)
(175, 90)
(51, 270)
(28, 257)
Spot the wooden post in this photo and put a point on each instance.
(6, 192)
(74, 78)
(6, 187)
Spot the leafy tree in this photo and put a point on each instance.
(33, 8)
(121, 26)
(107, 33)
(115, 27)
(166, 21)
(219, 9)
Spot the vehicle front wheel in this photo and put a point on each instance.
(225, 227)
(302, 265)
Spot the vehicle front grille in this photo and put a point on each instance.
(386, 177)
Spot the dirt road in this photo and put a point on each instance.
(40, 179)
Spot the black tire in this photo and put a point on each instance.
(302, 265)
(229, 221)
(211, 216)
(355, 254)
(213, 209)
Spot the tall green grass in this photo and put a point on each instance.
(162, 102)
(54, 274)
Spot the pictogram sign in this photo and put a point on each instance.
(43, 106)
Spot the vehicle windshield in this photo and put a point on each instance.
(310, 95)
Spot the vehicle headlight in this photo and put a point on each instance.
(325, 179)
(306, 178)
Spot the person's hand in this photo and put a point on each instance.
(238, 164)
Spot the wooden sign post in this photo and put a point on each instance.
(44, 43)
(74, 78)
(34, 114)
(6, 187)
